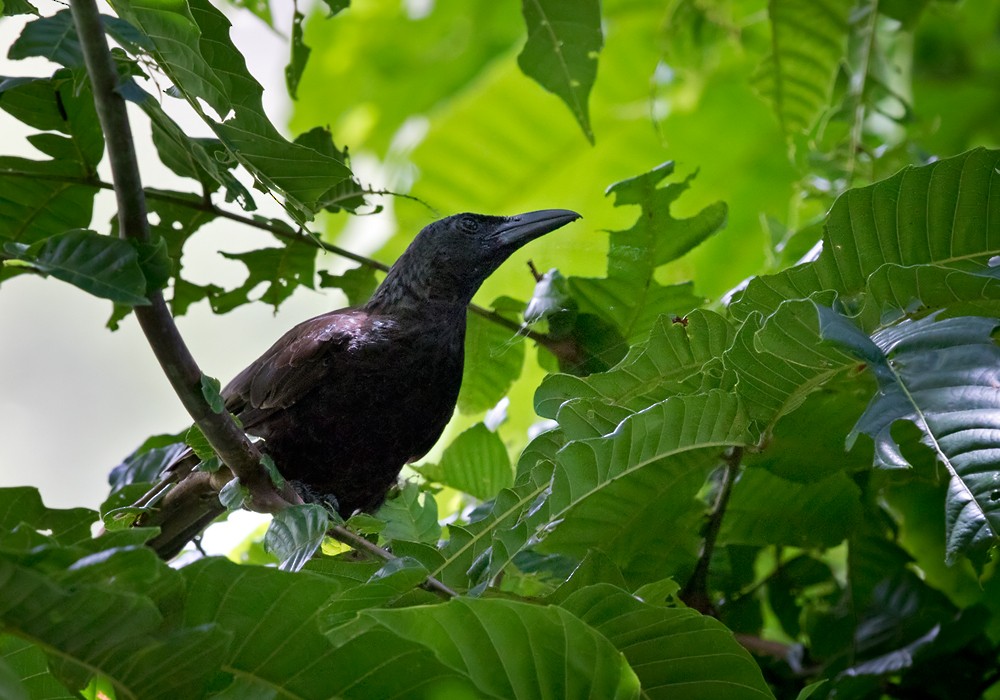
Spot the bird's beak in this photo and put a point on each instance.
(518, 230)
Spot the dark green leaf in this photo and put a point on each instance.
(941, 375)
(820, 514)
(272, 471)
(100, 265)
(300, 55)
(677, 653)
(564, 40)
(494, 358)
(357, 283)
(273, 617)
(210, 387)
(281, 269)
(336, 6)
(467, 639)
(58, 104)
(24, 672)
(193, 48)
(942, 213)
(409, 517)
(679, 357)
(476, 462)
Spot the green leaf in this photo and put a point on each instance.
(808, 39)
(272, 471)
(295, 534)
(494, 358)
(476, 462)
(203, 159)
(779, 361)
(199, 444)
(299, 57)
(630, 297)
(210, 387)
(24, 672)
(39, 200)
(611, 493)
(564, 40)
(281, 269)
(91, 627)
(100, 265)
(820, 514)
(273, 618)
(234, 494)
(51, 37)
(676, 652)
(469, 639)
(409, 517)
(17, 7)
(940, 375)
(942, 213)
(358, 283)
(192, 46)
(678, 357)
(58, 104)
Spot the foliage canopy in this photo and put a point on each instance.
(776, 480)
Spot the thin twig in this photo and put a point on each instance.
(356, 541)
(695, 593)
(181, 370)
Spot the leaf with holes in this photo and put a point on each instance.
(564, 39)
(942, 375)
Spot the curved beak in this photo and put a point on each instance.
(518, 230)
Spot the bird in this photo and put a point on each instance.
(342, 401)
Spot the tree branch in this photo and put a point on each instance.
(695, 593)
(181, 370)
(356, 541)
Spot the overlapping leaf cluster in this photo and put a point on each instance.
(725, 460)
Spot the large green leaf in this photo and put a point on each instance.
(470, 640)
(104, 266)
(808, 38)
(631, 493)
(92, 627)
(57, 104)
(29, 675)
(191, 45)
(564, 39)
(676, 652)
(820, 514)
(945, 213)
(476, 462)
(494, 358)
(273, 618)
(680, 357)
(942, 376)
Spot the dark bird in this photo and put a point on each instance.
(342, 401)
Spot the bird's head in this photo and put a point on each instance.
(449, 259)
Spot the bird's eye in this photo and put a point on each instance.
(468, 224)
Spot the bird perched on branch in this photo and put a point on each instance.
(342, 401)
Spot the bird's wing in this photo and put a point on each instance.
(293, 365)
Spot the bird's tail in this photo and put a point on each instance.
(187, 507)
